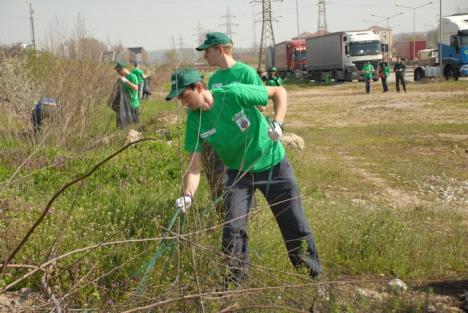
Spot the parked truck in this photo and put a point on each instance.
(341, 55)
(288, 56)
(454, 56)
(408, 50)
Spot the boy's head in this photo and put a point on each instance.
(187, 85)
(216, 44)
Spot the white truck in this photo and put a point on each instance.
(341, 55)
(454, 55)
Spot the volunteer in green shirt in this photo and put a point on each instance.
(131, 89)
(273, 78)
(384, 72)
(368, 71)
(227, 118)
(141, 79)
(217, 49)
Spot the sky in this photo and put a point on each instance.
(162, 24)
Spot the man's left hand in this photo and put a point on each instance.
(275, 132)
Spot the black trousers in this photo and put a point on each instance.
(280, 190)
(400, 77)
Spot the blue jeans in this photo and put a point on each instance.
(368, 82)
(280, 190)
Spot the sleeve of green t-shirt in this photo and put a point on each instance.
(132, 78)
(251, 95)
(251, 77)
(192, 138)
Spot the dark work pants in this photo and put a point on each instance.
(384, 83)
(283, 197)
(368, 82)
(400, 77)
(135, 114)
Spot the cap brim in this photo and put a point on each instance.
(174, 93)
(202, 47)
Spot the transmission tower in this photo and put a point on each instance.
(229, 23)
(267, 37)
(33, 37)
(322, 17)
(200, 34)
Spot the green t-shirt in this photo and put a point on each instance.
(386, 71)
(238, 73)
(132, 94)
(368, 70)
(235, 129)
(274, 81)
(139, 74)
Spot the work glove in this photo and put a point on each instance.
(124, 80)
(183, 203)
(275, 132)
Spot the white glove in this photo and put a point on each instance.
(183, 203)
(275, 132)
(124, 80)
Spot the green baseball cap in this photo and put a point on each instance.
(120, 65)
(213, 39)
(273, 69)
(181, 79)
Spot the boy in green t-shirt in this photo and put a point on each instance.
(217, 48)
(273, 78)
(141, 79)
(131, 89)
(249, 146)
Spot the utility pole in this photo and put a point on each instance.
(229, 23)
(268, 37)
(322, 17)
(32, 27)
(200, 34)
(441, 65)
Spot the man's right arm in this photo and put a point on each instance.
(192, 177)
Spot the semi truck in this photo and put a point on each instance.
(454, 56)
(341, 55)
(408, 50)
(288, 56)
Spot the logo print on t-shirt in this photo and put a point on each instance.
(241, 120)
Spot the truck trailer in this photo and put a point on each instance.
(454, 56)
(408, 50)
(341, 55)
(288, 56)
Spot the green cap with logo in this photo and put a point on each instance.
(181, 79)
(120, 65)
(213, 39)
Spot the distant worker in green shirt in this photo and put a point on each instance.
(384, 72)
(273, 78)
(249, 146)
(141, 79)
(217, 48)
(131, 82)
(368, 72)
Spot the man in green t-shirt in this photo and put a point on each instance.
(273, 78)
(131, 89)
(368, 72)
(141, 79)
(217, 49)
(249, 146)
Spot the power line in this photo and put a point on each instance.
(268, 36)
(322, 17)
(33, 37)
(229, 23)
